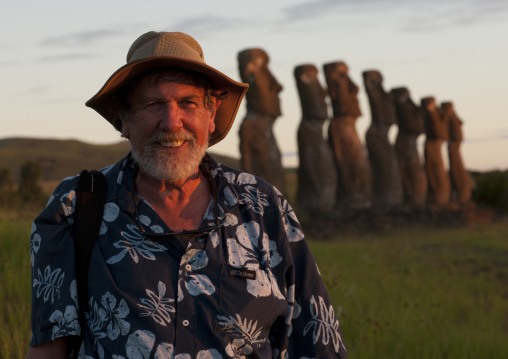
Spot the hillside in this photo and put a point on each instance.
(63, 158)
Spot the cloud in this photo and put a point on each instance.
(67, 57)
(499, 134)
(63, 100)
(490, 6)
(6, 45)
(206, 25)
(502, 134)
(451, 14)
(9, 63)
(318, 8)
(310, 9)
(36, 90)
(415, 15)
(80, 38)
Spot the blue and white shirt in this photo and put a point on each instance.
(249, 289)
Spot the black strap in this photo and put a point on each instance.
(90, 200)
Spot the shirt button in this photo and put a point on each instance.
(185, 323)
(188, 267)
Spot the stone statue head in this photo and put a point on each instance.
(454, 122)
(263, 94)
(381, 102)
(409, 115)
(373, 80)
(436, 127)
(312, 94)
(343, 92)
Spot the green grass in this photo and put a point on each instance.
(421, 293)
(14, 288)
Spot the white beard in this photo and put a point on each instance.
(170, 168)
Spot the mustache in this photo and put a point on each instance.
(181, 135)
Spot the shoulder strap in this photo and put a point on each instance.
(90, 200)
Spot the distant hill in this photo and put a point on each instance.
(64, 158)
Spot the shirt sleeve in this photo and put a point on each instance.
(310, 329)
(54, 293)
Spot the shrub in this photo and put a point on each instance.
(29, 188)
(491, 189)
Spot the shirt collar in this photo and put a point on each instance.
(121, 183)
(227, 194)
(124, 172)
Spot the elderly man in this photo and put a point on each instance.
(194, 259)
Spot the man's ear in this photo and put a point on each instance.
(211, 124)
(125, 129)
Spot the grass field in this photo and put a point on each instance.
(421, 293)
(14, 288)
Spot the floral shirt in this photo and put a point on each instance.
(249, 289)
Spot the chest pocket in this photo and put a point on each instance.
(250, 301)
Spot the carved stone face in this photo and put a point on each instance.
(312, 94)
(436, 126)
(263, 93)
(373, 80)
(409, 115)
(400, 95)
(343, 92)
(454, 122)
(381, 102)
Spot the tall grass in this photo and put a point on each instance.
(412, 293)
(14, 288)
(421, 293)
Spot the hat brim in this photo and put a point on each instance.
(226, 113)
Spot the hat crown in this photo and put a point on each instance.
(172, 44)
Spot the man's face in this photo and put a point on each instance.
(168, 127)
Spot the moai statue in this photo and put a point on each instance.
(436, 130)
(460, 179)
(317, 178)
(354, 182)
(387, 181)
(258, 147)
(411, 124)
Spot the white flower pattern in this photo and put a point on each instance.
(139, 283)
(35, 243)
(245, 252)
(48, 283)
(156, 306)
(65, 323)
(323, 323)
(135, 243)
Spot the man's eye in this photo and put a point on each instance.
(188, 104)
(152, 105)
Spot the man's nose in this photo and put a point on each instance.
(171, 117)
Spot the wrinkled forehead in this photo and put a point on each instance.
(148, 83)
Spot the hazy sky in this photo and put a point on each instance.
(54, 55)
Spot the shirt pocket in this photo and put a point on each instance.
(250, 301)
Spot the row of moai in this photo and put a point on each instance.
(339, 173)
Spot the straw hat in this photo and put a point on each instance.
(154, 50)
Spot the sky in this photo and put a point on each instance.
(55, 55)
